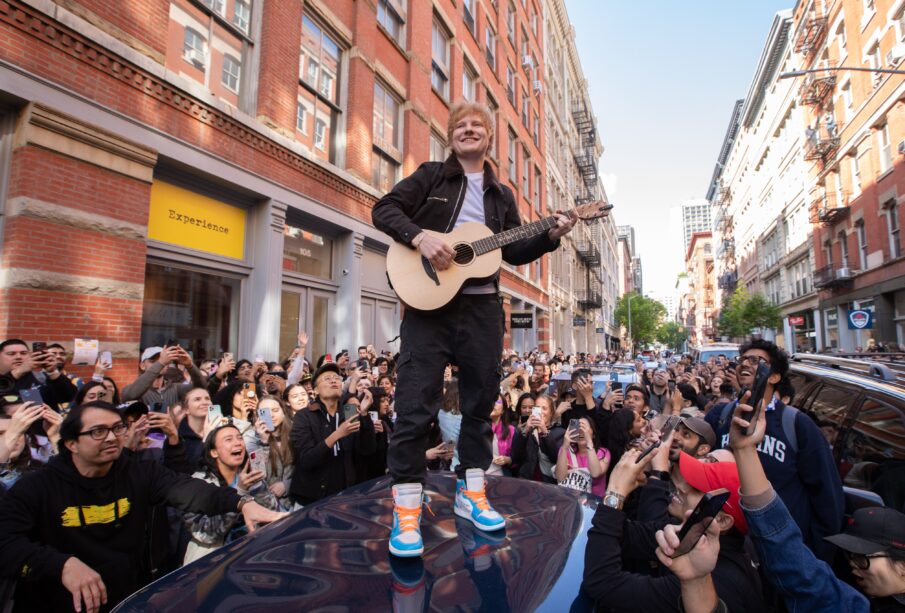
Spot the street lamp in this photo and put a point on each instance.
(631, 343)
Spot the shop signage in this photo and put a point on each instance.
(579, 322)
(859, 319)
(521, 319)
(796, 320)
(182, 217)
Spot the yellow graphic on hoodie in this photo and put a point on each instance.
(95, 514)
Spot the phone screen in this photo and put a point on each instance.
(258, 460)
(699, 520)
(31, 395)
(39, 346)
(264, 414)
(107, 358)
(574, 427)
(214, 413)
(350, 411)
(671, 423)
(758, 389)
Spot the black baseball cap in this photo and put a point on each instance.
(326, 367)
(873, 530)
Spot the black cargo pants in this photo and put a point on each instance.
(469, 333)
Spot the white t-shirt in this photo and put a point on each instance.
(473, 210)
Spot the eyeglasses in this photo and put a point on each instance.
(754, 360)
(100, 432)
(331, 379)
(861, 561)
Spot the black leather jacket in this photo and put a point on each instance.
(431, 198)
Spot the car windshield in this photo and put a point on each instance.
(731, 353)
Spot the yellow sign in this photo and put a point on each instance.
(182, 217)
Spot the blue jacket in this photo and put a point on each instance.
(806, 583)
(802, 472)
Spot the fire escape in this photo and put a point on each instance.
(822, 134)
(725, 250)
(585, 153)
(829, 209)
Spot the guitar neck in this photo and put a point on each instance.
(486, 245)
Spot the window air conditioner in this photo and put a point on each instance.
(527, 61)
(537, 87)
(844, 273)
(196, 56)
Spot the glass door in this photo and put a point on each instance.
(306, 309)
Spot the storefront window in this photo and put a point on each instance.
(831, 317)
(307, 252)
(199, 310)
(309, 310)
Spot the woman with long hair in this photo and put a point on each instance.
(91, 392)
(278, 448)
(450, 419)
(626, 425)
(503, 433)
(296, 398)
(537, 441)
(225, 462)
(579, 465)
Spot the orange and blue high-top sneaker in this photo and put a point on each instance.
(471, 502)
(405, 537)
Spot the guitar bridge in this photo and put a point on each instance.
(429, 270)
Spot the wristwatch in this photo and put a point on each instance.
(613, 500)
(243, 501)
(662, 475)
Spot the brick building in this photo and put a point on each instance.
(204, 170)
(855, 137)
(700, 294)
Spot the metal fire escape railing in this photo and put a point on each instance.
(585, 153)
(587, 244)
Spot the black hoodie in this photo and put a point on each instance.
(55, 513)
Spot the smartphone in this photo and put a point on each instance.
(264, 414)
(156, 407)
(647, 451)
(699, 520)
(536, 411)
(227, 355)
(257, 459)
(31, 395)
(259, 359)
(671, 386)
(214, 413)
(172, 343)
(39, 346)
(107, 358)
(350, 411)
(374, 415)
(574, 427)
(375, 372)
(758, 389)
(364, 364)
(615, 386)
(671, 424)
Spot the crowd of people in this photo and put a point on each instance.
(106, 485)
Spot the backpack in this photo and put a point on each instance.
(789, 414)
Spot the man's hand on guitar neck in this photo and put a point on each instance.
(434, 249)
(564, 223)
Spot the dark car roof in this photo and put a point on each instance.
(333, 555)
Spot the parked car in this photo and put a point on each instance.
(703, 353)
(332, 556)
(859, 405)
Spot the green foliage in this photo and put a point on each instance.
(672, 334)
(745, 311)
(647, 314)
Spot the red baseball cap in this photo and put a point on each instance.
(709, 476)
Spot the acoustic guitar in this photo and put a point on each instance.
(478, 256)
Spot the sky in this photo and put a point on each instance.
(663, 76)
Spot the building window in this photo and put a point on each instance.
(469, 76)
(319, 71)
(386, 119)
(843, 250)
(892, 221)
(307, 253)
(495, 113)
(874, 60)
(490, 46)
(885, 150)
(869, 7)
(840, 36)
(513, 171)
(242, 16)
(510, 24)
(525, 109)
(899, 21)
(510, 84)
(847, 101)
(231, 70)
(536, 130)
(526, 174)
(525, 51)
(215, 6)
(828, 253)
(856, 174)
(468, 15)
(383, 171)
(440, 60)
(538, 178)
(437, 148)
(301, 117)
(193, 48)
(390, 16)
(862, 244)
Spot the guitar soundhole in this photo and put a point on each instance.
(464, 254)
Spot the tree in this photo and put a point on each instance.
(745, 311)
(671, 334)
(646, 317)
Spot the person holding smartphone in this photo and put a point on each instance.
(536, 444)
(29, 438)
(580, 465)
(153, 386)
(613, 537)
(795, 455)
(27, 368)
